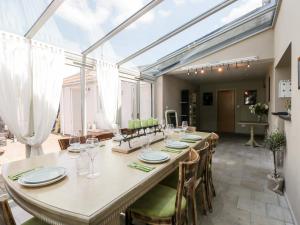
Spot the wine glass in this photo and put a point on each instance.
(92, 151)
(184, 125)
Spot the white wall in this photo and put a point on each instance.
(168, 94)
(208, 114)
(287, 31)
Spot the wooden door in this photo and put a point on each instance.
(226, 111)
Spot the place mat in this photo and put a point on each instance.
(135, 145)
(171, 150)
(140, 166)
(16, 176)
(188, 141)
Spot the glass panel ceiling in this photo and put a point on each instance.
(77, 24)
(161, 20)
(17, 16)
(219, 19)
(216, 43)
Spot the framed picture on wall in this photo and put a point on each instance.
(250, 97)
(207, 98)
(298, 72)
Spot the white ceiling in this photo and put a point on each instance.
(257, 70)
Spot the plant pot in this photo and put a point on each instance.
(275, 184)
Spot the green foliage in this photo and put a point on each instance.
(275, 140)
(259, 109)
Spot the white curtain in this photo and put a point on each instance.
(31, 82)
(108, 86)
(47, 64)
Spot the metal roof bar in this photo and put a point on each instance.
(48, 12)
(123, 25)
(179, 29)
(220, 31)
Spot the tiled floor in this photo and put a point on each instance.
(241, 185)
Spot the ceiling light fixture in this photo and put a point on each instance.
(202, 71)
(220, 69)
(188, 72)
(196, 71)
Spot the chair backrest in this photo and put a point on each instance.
(6, 216)
(187, 180)
(191, 129)
(105, 136)
(214, 139)
(64, 143)
(203, 163)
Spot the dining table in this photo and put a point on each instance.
(78, 200)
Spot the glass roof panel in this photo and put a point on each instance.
(216, 43)
(161, 20)
(77, 24)
(212, 23)
(17, 16)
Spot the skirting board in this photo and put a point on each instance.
(291, 209)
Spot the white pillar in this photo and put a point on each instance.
(83, 96)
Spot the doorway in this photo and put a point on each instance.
(226, 111)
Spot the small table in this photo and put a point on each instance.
(252, 142)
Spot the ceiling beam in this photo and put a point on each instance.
(178, 30)
(48, 12)
(122, 26)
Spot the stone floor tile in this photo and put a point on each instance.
(252, 206)
(266, 197)
(260, 220)
(279, 213)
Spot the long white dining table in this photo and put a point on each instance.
(77, 200)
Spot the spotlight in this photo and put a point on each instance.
(248, 66)
(220, 69)
(188, 73)
(196, 71)
(202, 71)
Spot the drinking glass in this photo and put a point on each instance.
(184, 125)
(82, 163)
(74, 140)
(92, 151)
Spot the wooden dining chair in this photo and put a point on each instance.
(64, 143)
(202, 178)
(105, 136)
(6, 216)
(166, 205)
(214, 139)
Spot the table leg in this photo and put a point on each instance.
(252, 141)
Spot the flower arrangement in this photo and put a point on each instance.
(259, 109)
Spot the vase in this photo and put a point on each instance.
(259, 119)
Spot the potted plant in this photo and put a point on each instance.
(260, 110)
(275, 142)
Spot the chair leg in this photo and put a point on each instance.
(203, 199)
(128, 219)
(194, 206)
(208, 190)
(212, 184)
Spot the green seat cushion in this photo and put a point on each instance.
(159, 202)
(34, 221)
(171, 180)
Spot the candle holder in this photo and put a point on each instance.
(129, 134)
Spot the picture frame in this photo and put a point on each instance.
(207, 98)
(250, 97)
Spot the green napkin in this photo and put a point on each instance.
(20, 174)
(141, 167)
(172, 150)
(188, 141)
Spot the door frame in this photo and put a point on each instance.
(234, 103)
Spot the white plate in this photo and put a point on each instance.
(21, 182)
(153, 155)
(192, 137)
(176, 144)
(117, 138)
(150, 157)
(43, 175)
